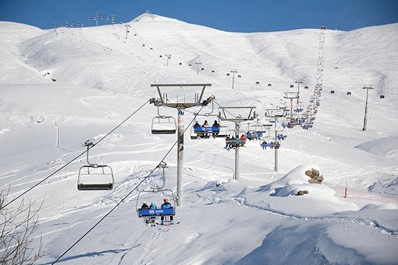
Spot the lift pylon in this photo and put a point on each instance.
(275, 114)
(178, 97)
(237, 115)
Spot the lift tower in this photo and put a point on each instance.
(180, 99)
(237, 115)
(275, 114)
(291, 96)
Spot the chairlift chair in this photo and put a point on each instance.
(209, 131)
(163, 125)
(149, 214)
(94, 176)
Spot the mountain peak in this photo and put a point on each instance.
(149, 17)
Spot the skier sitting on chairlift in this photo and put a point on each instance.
(205, 124)
(228, 144)
(215, 127)
(166, 205)
(249, 135)
(242, 140)
(196, 128)
(152, 218)
(144, 206)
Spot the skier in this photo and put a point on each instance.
(197, 129)
(166, 205)
(144, 206)
(205, 124)
(153, 218)
(215, 128)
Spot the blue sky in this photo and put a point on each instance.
(227, 15)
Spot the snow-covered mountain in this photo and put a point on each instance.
(63, 86)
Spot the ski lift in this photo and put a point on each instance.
(233, 142)
(264, 145)
(281, 136)
(162, 124)
(94, 176)
(149, 213)
(271, 145)
(155, 186)
(218, 131)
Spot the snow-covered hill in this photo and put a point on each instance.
(63, 86)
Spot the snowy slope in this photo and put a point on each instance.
(63, 86)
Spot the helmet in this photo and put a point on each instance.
(166, 200)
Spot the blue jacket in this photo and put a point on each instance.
(166, 205)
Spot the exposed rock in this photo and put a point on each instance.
(314, 175)
(302, 192)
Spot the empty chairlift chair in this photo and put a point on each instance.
(162, 124)
(94, 176)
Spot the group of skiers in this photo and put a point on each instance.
(203, 133)
(166, 205)
(232, 142)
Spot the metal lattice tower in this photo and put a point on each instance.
(321, 57)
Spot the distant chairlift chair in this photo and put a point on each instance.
(94, 176)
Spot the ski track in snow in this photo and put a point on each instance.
(369, 223)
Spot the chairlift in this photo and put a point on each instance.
(154, 186)
(281, 136)
(94, 176)
(271, 145)
(162, 124)
(199, 132)
(234, 141)
(151, 214)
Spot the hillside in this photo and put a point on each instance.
(63, 86)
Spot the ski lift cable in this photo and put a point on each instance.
(125, 197)
(75, 158)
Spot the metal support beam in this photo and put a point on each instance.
(275, 113)
(180, 106)
(236, 175)
(366, 107)
(180, 158)
(234, 114)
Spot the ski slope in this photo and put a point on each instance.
(63, 86)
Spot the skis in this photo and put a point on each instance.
(168, 224)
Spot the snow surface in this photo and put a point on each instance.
(63, 86)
